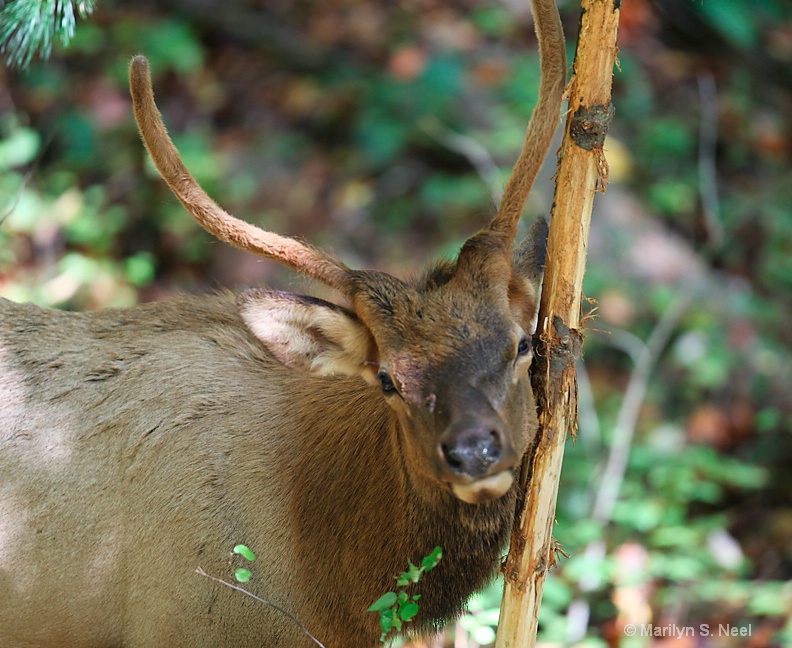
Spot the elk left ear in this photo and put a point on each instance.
(308, 334)
(528, 260)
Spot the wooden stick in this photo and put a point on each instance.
(582, 172)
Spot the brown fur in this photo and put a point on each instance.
(140, 444)
(137, 445)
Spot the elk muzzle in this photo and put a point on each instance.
(476, 457)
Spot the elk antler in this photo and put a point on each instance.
(544, 118)
(302, 257)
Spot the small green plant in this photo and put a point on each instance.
(241, 574)
(398, 608)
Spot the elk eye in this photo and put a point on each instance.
(386, 382)
(523, 347)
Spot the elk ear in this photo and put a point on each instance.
(528, 260)
(308, 334)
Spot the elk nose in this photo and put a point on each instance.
(473, 451)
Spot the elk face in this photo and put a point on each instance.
(455, 374)
(450, 353)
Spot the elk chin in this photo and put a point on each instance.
(485, 489)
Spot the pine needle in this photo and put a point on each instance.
(28, 27)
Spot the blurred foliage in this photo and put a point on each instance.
(383, 131)
(28, 27)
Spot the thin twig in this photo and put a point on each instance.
(645, 357)
(201, 572)
(645, 360)
(590, 429)
(708, 176)
(18, 197)
(473, 150)
(26, 178)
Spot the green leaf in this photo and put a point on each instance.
(484, 635)
(430, 562)
(242, 575)
(386, 621)
(413, 573)
(243, 551)
(171, 43)
(771, 599)
(19, 148)
(444, 193)
(139, 270)
(384, 602)
(494, 21)
(734, 20)
(380, 136)
(672, 196)
(408, 610)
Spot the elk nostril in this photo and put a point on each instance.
(494, 444)
(452, 458)
(491, 448)
(473, 454)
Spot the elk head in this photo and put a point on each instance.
(450, 350)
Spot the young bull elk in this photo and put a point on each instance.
(139, 444)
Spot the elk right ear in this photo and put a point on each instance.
(528, 260)
(309, 334)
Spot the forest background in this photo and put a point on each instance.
(384, 131)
